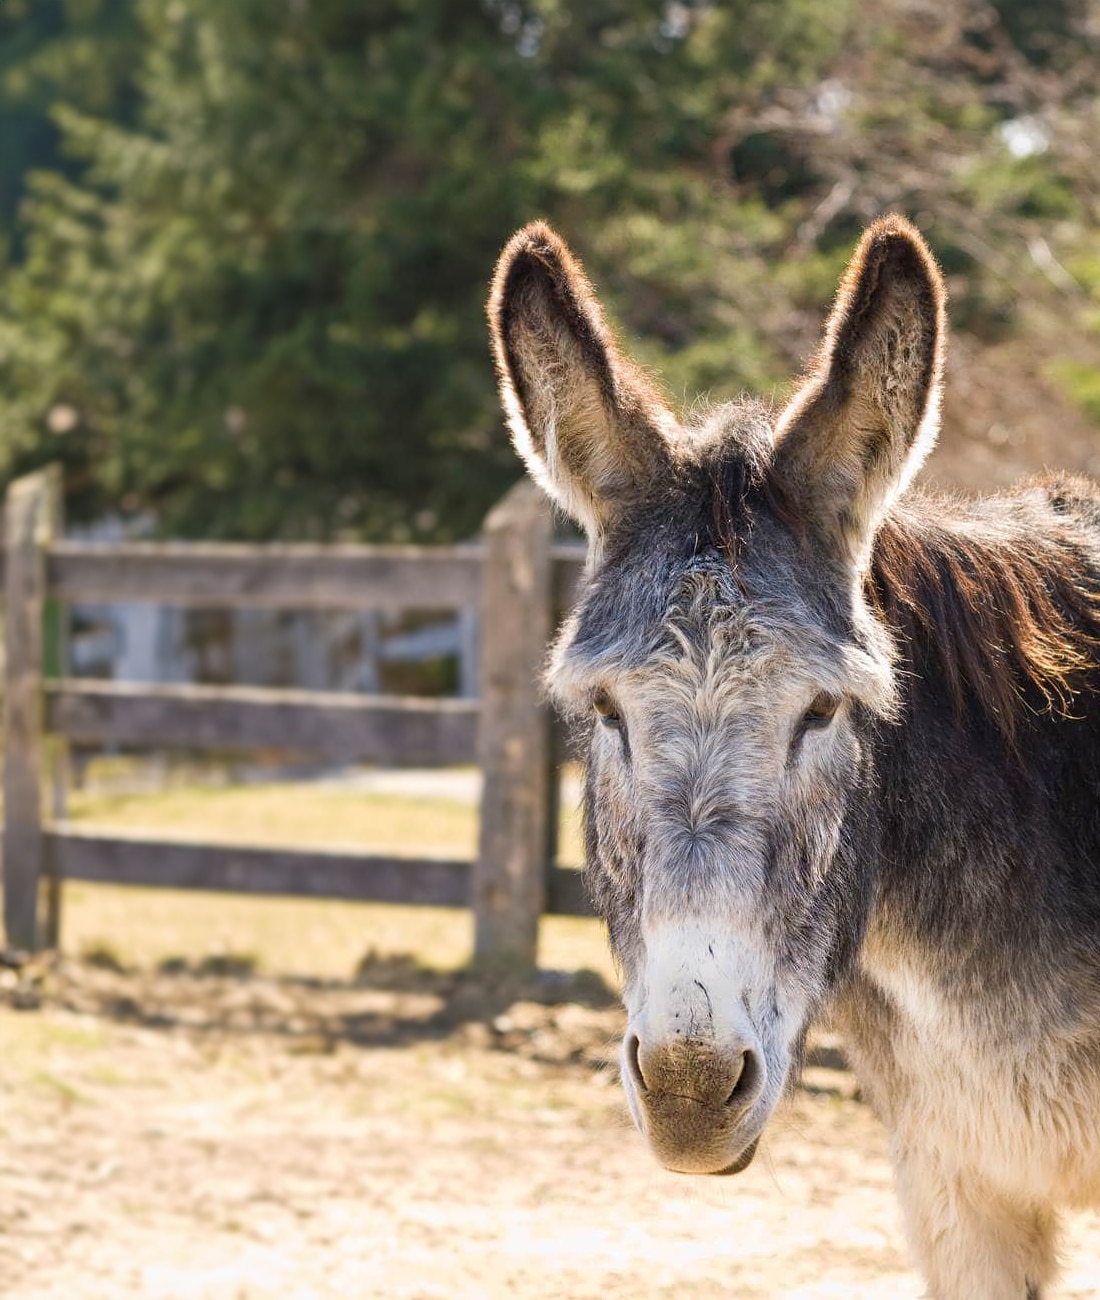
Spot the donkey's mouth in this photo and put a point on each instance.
(697, 1169)
(688, 1137)
(741, 1163)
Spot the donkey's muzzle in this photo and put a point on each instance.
(695, 1099)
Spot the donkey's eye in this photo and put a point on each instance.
(606, 709)
(821, 712)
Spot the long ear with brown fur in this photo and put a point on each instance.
(588, 424)
(860, 427)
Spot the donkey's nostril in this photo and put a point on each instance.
(633, 1063)
(747, 1084)
(731, 1077)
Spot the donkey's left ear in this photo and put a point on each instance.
(860, 427)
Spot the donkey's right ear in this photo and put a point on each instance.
(589, 425)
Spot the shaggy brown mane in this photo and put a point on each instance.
(1008, 622)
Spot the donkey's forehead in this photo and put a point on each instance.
(647, 604)
(767, 609)
(652, 605)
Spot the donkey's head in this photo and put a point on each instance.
(724, 664)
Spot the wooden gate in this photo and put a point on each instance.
(516, 576)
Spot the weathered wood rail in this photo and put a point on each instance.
(518, 578)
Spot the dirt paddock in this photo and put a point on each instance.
(200, 1131)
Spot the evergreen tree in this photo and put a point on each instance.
(251, 299)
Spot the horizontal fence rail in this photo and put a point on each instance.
(78, 854)
(185, 575)
(268, 576)
(339, 728)
(255, 869)
(516, 576)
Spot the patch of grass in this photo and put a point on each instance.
(103, 956)
(237, 965)
(60, 1088)
(62, 1034)
(377, 970)
(33, 1037)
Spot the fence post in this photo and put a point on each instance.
(31, 511)
(509, 880)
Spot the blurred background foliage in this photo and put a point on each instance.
(247, 244)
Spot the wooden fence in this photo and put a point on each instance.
(516, 575)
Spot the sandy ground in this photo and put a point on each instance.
(200, 1132)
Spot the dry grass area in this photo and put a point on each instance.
(294, 936)
(289, 812)
(221, 1098)
(289, 936)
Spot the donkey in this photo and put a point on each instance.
(843, 755)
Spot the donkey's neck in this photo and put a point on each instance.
(985, 801)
